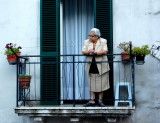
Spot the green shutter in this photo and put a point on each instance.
(49, 46)
(103, 21)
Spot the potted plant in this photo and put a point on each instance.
(11, 57)
(140, 53)
(24, 80)
(125, 46)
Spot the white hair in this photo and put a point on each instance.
(96, 32)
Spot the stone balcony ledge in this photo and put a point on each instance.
(74, 111)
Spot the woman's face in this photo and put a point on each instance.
(93, 37)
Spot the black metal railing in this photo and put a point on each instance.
(68, 74)
(61, 79)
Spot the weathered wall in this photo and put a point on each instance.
(133, 20)
(19, 23)
(139, 21)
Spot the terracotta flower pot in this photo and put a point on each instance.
(125, 57)
(24, 82)
(12, 59)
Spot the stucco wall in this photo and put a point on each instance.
(139, 21)
(19, 24)
(133, 20)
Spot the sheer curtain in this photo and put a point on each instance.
(78, 19)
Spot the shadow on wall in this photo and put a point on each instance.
(81, 120)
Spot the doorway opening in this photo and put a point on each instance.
(76, 20)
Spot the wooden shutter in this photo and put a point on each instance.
(49, 46)
(103, 21)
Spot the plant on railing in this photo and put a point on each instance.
(24, 80)
(126, 47)
(10, 51)
(140, 53)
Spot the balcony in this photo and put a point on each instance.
(59, 87)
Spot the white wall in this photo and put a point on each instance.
(139, 21)
(133, 20)
(136, 21)
(19, 23)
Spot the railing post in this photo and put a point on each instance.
(133, 76)
(133, 82)
(17, 73)
(130, 45)
(17, 84)
(73, 81)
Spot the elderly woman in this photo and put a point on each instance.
(98, 73)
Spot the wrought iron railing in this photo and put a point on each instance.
(61, 79)
(71, 79)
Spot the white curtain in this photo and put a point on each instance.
(78, 19)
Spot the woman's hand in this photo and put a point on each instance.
(91, 51)
(101, 52)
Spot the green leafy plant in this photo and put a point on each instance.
(24, 75)
(125, 45)
(8, 50)
(141, 51)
